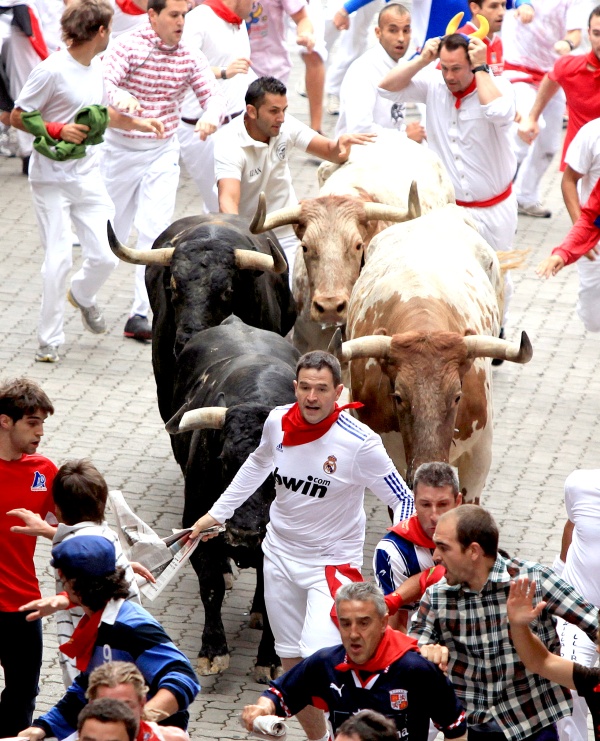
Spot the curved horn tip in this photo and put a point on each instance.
(335, 344)
(484, 28)
(258, 220)
(414, 204)
(454, 24)
(280, 264)
(172, 426)
(526, 348)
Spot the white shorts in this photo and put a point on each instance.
(299, 603)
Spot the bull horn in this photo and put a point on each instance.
(481, 33)
(454, 24)
(262, 221)
(484, 346)
(205, 418)
(373, 346)
(383, 212)
(161, 256)
(251, 260)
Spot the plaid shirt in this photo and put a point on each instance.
(484, 667)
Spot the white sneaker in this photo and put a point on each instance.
(301, 88)
(535, 209)
(47, 354)
(91, 316)
(333, 105)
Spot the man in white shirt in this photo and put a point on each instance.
(361, 106)
(218, 30)
(469, 122)
(322, 460)
(251, 156)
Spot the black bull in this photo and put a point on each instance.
(248, 372)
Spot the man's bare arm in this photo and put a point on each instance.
(229, 195)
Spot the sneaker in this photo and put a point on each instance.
(536, 210)
(499, 361)
(91, 316)
(47, 354)
(138, 328)
(301, 88)
(333, 105)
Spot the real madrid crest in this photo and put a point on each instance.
(330, 464)
(399, 699)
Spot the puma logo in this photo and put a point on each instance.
(336, 688)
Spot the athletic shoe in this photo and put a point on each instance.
(138, 328)
(535, 209)
(301, 88)
(499, 361)
(91, 316)
(333, 105)
(47, 354)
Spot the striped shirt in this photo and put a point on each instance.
(318, 515)
(159, 77)
(484, 667)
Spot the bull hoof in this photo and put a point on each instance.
(206, 667)
(256, 621)
(264, 674)
(229, 580)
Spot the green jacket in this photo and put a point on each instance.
(94, 116)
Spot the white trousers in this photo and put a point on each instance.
(298, 604)
(575, 646)
(588, 303)
(290, 247)
(535, 159)
(498, 226)
(86, 204)
(143, 186)
(199, 160)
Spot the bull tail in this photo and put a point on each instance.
(512, 259)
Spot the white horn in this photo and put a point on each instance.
(205, 418)
(138, 257)
(484, 346)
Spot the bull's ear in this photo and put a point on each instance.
(381, 330)
(172, 426)
(220, 402)
(470, 332)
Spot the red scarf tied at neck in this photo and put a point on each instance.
(219, 8)
(392, 647)
(594, 62)
(297, 431)
(463, 93)
(412, 531)
(81, 644)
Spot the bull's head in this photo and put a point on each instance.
(434, 393)
(334, 232)
(241, 428)
(204, 264)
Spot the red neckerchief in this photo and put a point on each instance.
(220, 9)
(392, 647)
(594, 62)
(146, 732)
(129, 7)
(297, 431)
(80, 645)
(460, 95)
(412, 531)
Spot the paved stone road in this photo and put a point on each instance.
(104, 394)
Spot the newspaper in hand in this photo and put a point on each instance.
(163, 557)
(268, 726)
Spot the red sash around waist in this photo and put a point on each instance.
(490, 201)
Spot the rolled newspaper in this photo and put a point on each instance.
(269, 725)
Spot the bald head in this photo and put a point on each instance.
(393, 30)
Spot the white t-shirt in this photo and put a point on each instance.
(221, 43)
(473, 141)
(261, 167)
(583, 155)
(59, 87)
(362, 108)
(317, 516)
(531, 44)
(582, 565)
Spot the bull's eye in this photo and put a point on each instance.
(359, 246)
(457, 399)
(397, 398)
(304, 248)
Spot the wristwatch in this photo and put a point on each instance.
(223, 73)
(481, 68)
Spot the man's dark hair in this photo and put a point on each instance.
(319, 359)
(108, 710)
(80, 492)
(479, 3)
(369, 726)
(21, 396)
(96, 591)
(455, 41)
(82, 20)
(255, 95)
(594, 14)
(476, 525)
(436, 475)
(392, 7)
(157, 5)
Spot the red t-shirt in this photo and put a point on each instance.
(582, 91)
(26, 482)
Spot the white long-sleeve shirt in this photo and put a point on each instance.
(362, 108)
(473, 141)
(159, 77)
(317, 516)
